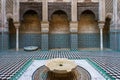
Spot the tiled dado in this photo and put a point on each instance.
(92, 40)
(26, 40)
(59, 41)
(4, 41)
(115, 40)
(50, 41)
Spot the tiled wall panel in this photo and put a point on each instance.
(89, 40)
(74, 41)
(59, 41)
(26, 40)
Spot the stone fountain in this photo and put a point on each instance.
(61, 69)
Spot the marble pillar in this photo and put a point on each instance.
(101, 26)
(17, 25)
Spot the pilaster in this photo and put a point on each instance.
(74, 35)
(44, 36)
(73, 10)
(45, 10)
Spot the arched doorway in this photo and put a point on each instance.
(88, 30)
(106, 33)
(59, 30)
(30, 30)
(12, 34)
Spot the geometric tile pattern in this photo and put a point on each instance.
(12, 61)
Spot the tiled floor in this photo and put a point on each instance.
(11, 61)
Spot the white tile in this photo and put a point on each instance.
(27, 75)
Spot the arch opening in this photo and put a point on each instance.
(30, 30)
(59, 30)
(12, 34)
(30, 23)
(106, 32)
(88, 30)
(59, 22)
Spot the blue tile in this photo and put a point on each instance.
(26, 40)
(44, 42)
(91, 40)
(59, 41)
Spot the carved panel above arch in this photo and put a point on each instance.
(94, 7)
(55, 6)
(24, 7)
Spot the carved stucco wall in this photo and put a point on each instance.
(66, 7)
(9, 6)
(109, 12)
(119, 14)
(118, 5)
(24, 7)
(88, 6)
(0, 13)
(109, 7)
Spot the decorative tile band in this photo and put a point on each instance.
(21, 71)
(100, 70)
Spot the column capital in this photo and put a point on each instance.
(17, 25)
(101, 24)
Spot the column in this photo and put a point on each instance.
(44, 26)
(16, 21)
(4, 27)
(17, 25)
(101, 21)
(74, 26)
(101, 26)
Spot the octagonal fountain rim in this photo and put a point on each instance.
(60, 65)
